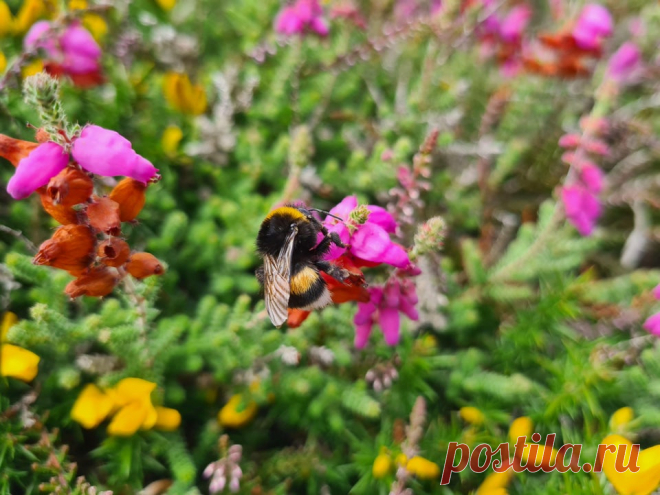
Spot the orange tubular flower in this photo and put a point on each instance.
(71, 248)
(64, 215)
(142, 265)
(351, 289)
(130, 195)
(97, 282)
(15, 150)
(103, 215)
(113, 252)
(70, 187)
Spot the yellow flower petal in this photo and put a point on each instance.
(29, 13)
(382, 465)
(471, 415)
(168, 419)
(9, 319)
(521, 427)
(91, 407)
(17, 362)
(32, 68)
(644, 481)
(5, 19)
(96, 25)
(621, 418)
(133, 390)
(166, 4)
(129, 419)
(237, 412)
(182, 95)
(423, 468)
(172, 136)
(77, 4)
(495, 483)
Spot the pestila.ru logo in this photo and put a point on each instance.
(528, 457)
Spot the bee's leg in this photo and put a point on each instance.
(334, 271)
(324, 245)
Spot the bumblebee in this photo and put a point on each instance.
(292, 256)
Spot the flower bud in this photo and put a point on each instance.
(15, 150)
(142, 265)
(97, 282)
(70, 187)
(113, 252)
(71, 248)
(130, 195)
(62, 214)
(103, 215)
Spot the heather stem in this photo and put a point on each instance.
(42, 92)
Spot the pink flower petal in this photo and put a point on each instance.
(592, 177)
(288, 22)
(362, 333)
(569, 140)
(625, 64)
(35, 170)
(370, 242)
(107, 153)
(515, 22)
(389, 321)
(81, 52)
(652, 324)
(364, 313)
(594, 23)
(395, 255)
(343, 209)
(381, 217)
(345, 236)
(656, 292)
(319, 26)
(391, 295)
(35, 38)
(407, 307)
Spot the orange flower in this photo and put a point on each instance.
(113, 252)
(130, 195)
(62, 214)
(103, 215)
(70, 187)
(142, 265)
(71, 248)
(97, 282)
(15, 150)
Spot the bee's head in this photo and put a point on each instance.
(278, 225)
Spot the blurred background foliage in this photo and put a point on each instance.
(519, 314)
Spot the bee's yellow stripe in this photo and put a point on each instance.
(303, 281)
(286, 211)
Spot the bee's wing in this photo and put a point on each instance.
(277, 285)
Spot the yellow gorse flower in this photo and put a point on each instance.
(423, 468)
(166, 4)
(496, 483)
(171, 138)
(30, 12)
(621, 417)
(32, 68)
(15, 361)
(644, 481)
(521, 427)
(94, 23)
(382, 464)
(182, 95)
(5, 19)
(237, 412)
(129, 404)
(3, 62)
(471, 415)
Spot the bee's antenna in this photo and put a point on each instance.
(327, 213)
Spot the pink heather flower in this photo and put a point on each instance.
(384, 308)
(592, 177)
(597, 147)
(107, 153)
(35, 170)
(582, 208)
(626, 64)
(515, 22)
(370, 241)
(656, 292)
(300, 17)
(74, 51)
(594, 24)
(652, 324)
(569, 140)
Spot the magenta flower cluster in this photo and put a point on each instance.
(368, 242)
(301, 17)
(97, 150)
(592, 26)
(384, 307)
(74, 49)
(586, 181)
(625, 66)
